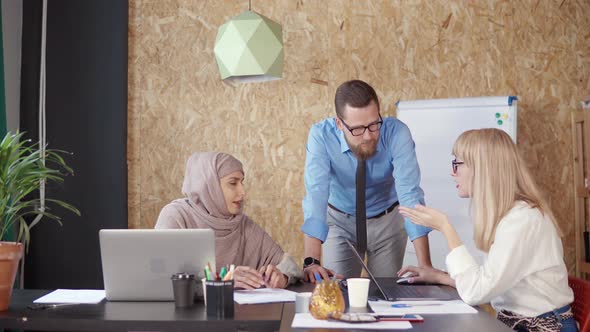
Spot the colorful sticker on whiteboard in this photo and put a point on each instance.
(500, 118)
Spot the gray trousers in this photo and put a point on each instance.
(386, 244)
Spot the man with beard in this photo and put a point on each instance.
(335, 146)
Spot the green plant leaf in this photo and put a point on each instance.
(23, 167)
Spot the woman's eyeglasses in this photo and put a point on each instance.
(455, 164)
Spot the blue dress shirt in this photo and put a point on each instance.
(393, 175)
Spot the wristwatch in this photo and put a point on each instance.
(310, 261)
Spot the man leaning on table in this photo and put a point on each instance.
(383, 150)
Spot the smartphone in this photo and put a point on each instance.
(372, 318)
(406, 317)
(351, 317)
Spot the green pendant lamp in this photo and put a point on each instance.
(249, 48)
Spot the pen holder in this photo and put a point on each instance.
(220, 298)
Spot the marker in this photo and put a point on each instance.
(223, 272)
(207, 273)
(317, 276)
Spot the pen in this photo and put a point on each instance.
(421, 299)
(36, 306)
(405, 305)
(266, 279)
(207, 273)
(317, 276)
(232, 268)
(55, 305)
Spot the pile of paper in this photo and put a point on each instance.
(264, 295)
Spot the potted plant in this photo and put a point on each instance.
(23, 167)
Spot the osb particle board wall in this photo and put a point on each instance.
(538, 50)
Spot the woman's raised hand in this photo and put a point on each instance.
(425, 216)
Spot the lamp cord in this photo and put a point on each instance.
(249, 5)
(42, 121)
(42, 131)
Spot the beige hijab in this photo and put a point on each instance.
(238, 240)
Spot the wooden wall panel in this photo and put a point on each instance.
(538, 50)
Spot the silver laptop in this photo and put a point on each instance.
(137, 263)
(395, 292)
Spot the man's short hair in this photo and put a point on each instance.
(355, 93)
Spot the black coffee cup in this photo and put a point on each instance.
(183, 286)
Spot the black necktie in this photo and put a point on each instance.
(361, 214)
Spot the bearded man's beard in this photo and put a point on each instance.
(364, 150)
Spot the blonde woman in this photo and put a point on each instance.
(524, 276)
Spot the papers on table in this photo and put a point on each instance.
(264, 295)
(421, 307)
(307, 321)
(91, 296)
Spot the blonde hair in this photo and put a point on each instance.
(500, 178)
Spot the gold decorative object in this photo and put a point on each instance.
(326, 300)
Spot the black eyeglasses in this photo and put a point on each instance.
(455, 164)
(358, 131)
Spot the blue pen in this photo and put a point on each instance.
(405, 305)
(317, 276)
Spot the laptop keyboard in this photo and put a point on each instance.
(422, 292)
(406, 292)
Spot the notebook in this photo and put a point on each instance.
(395, 292)
(137, 264)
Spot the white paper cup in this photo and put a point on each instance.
(204, 290)
(358, 292)
(302, 302)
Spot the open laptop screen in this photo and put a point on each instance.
(403, 293)
(137, 264)
(362, 261)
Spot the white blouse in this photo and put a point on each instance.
(524, 271)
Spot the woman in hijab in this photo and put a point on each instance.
(214, 190)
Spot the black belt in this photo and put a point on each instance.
(386, 211)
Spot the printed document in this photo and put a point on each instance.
(264, 295)
(91, 296)
(421, 307)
